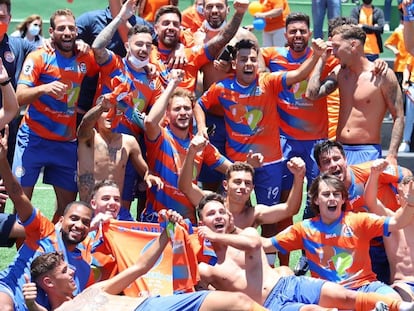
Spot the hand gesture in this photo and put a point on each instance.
(177, 58)
(240, 6)
(104, 102)
(206, 233)
(319, 46)
(56, 89)
(255, 159)
(29, 291)
(198, 143)
(176, 76)
(153, 180)
(170, 216)
(3, 193)
(297, 166)
(82, 47)
(378, 166)
(127, 10)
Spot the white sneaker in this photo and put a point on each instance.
(404, 147)
(386, 27)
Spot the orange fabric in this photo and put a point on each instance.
(371, 44)
(278, 22)
(127, 240)
(120, 99)
(367, 301)
(191, 19)
(332, 101)
(151, 7)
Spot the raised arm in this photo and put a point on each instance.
(316, 88)
(105, 36)
(217, 43)
(146, 261)
(371, 189)
(152, 120)
(247, 240)
(86, 127)
(10, 107)
(393, 97)
(21, 202)
(275, 213)
(185, 179)
(404, 216)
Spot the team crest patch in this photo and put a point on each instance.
(9, 56)
(19, 172)
(28, 67)
(82, 67)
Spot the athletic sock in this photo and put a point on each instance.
(367, 301)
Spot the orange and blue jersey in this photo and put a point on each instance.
(144, 91)
(338, 252)
(300, 118)
(387, 186)
(197, 57)
(48, 116)
(167, 153)
(41, 237)
(250, 114)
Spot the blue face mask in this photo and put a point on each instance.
(34, 30)
(199, 9)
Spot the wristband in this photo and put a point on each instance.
(4, 83)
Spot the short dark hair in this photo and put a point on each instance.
(297, 17)
(330, 180)
(138, 29)
(339, 21)
(165, 10)
(244, 44)
(8, 5)
(350, 32)
(83, 203)
(326, 146)
(60, 12)
(208, 198)
(44, 264)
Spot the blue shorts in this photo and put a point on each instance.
(58, 158)
(180, 302)
(377, 287)
(268, 182)
(379, 262)
(218, 140)
(293, 292)
(356, 154)
(6, 224)
(298, 148)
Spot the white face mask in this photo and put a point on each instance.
(209, 28)
(34, 30)
(137, 63)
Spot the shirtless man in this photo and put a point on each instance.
(239, 185)
(55, 277)
(242, 266)
(364, 97)
(103, 154)
(399, 246)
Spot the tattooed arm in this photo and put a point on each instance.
(393, 97)
(216, 44)
(316, 88)
(104, 38)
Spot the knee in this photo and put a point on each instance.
(243, 302)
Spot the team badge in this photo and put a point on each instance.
(9, 56)
(82, 67)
